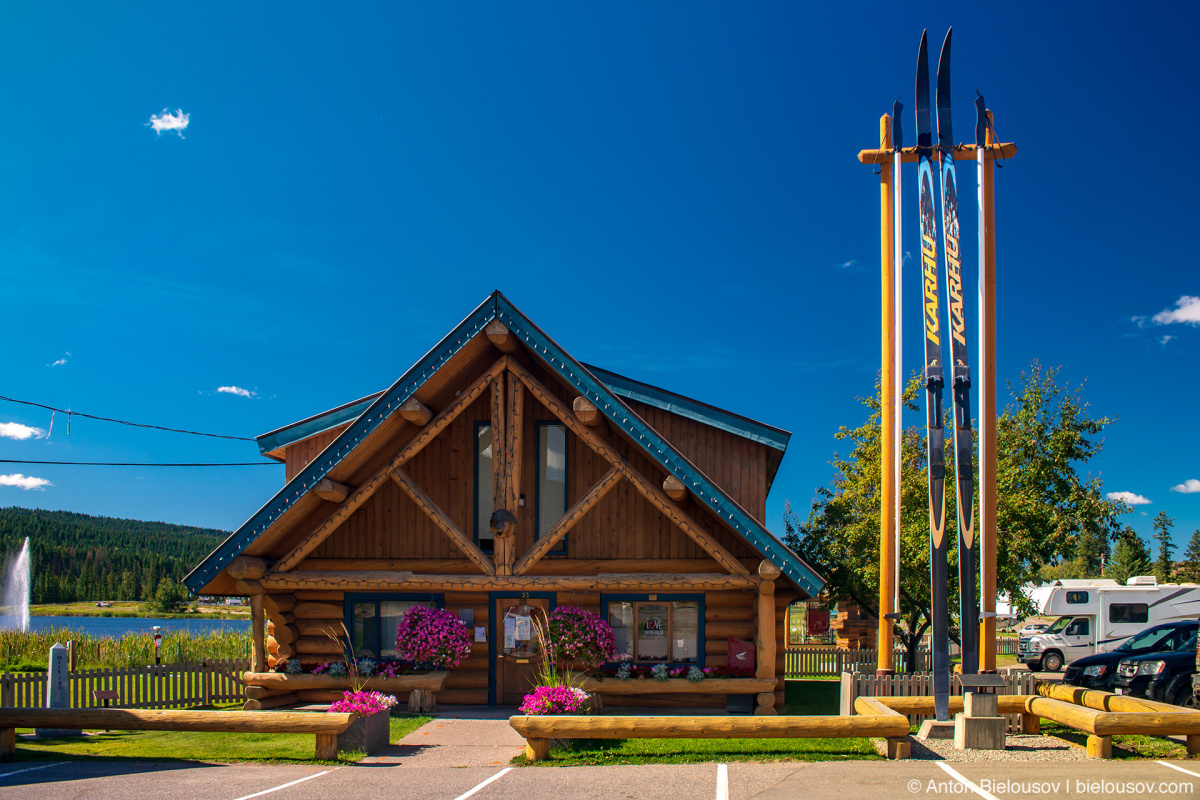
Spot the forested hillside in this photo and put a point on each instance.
(80, 557)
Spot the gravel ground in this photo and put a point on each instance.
(1020, 748)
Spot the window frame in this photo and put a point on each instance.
(560, 549)
(1073, 598)
(486, 545)
(349, 601)
(658, 597)
(1144, 608)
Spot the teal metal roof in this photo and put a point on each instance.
(497, 306)
(318, 423)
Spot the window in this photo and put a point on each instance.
(658, 630)
(372, 620)
(483, 486)
(551, 488)
(1079, 627)
(1129, 612)
(1076, 598)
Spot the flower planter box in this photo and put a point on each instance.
(616, 686)
(369, 734)
(280, 681)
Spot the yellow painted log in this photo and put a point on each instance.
(127, 719)
(1099, 746)
(589, 727)
(1008, 703)
(1101, 701)
(614, 686)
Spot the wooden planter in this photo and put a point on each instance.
(271, 689)
(617, 686)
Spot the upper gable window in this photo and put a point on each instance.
(551, 489)
(483, 486)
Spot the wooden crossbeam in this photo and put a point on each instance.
(647, 489)
(383, 580)
(443, 522)
(962, 152)
(575, 513)
(414, 446)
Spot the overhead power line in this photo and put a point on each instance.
(70, 414)
(145, 463)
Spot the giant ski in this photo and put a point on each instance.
(961, 376)
(934, 379)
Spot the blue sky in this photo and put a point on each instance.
(670, 191)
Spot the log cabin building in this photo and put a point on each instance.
(500, 472)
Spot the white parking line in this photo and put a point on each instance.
(722, 782)
(30, 769)
(986, 795)
(284, 786)
(1181, 769)
(497, 776)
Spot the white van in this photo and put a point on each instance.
(1096, 617)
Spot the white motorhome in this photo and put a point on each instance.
(1097, 616)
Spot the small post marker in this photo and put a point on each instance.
(58, 692)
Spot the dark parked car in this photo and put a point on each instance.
(1097, 671)
(1166, 677)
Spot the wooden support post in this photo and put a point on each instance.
(674, 488)
(765, 635)
(8, 743)
(500, 336)
(987, 414)
(887, 481)
(332, 491)
(537, 749)
(415, 412)
(586, 411)
(1099, 746)
(898, 748)
(1031, 724)
(512, 443)
(327, 747)
(1193, 744)
(421, 701)
(258, 648)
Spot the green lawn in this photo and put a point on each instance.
(1156, 747)
(811, 696)
(270, 748)
(590, 752)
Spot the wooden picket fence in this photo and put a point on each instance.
(182, 685)
(801, 662)
(855, 685)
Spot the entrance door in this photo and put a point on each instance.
(518, 649)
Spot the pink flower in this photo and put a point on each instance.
(578, 635)
(432, 638)
(554, 700)
(362, 703)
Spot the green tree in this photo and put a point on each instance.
(1191, 559)
(1130, 557)
(170, 597)
(1166, 547)
(1043, 504)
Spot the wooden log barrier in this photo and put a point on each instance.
(325, 726)
(430, 681)
(539, 729)
(1101, 701)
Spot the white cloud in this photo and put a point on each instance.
(239, 391)
(60, 361)
(24, 481)
(1163, 341)
(1129, 498)
(15, 430)
(1190, 486)
(167, 121)
(848, 264)
(1186, 310)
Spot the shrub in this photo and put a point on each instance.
(580, 636)
(432, 638)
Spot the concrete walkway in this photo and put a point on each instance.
(454, 742)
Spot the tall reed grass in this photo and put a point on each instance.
(134, 649)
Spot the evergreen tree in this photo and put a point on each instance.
(1166, 548)
(1191, 559)
(169, 597)
(1130, 557)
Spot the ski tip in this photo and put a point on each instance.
(944, 58)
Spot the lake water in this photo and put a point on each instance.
(116, 627)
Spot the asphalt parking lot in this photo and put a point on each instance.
(105, 780)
